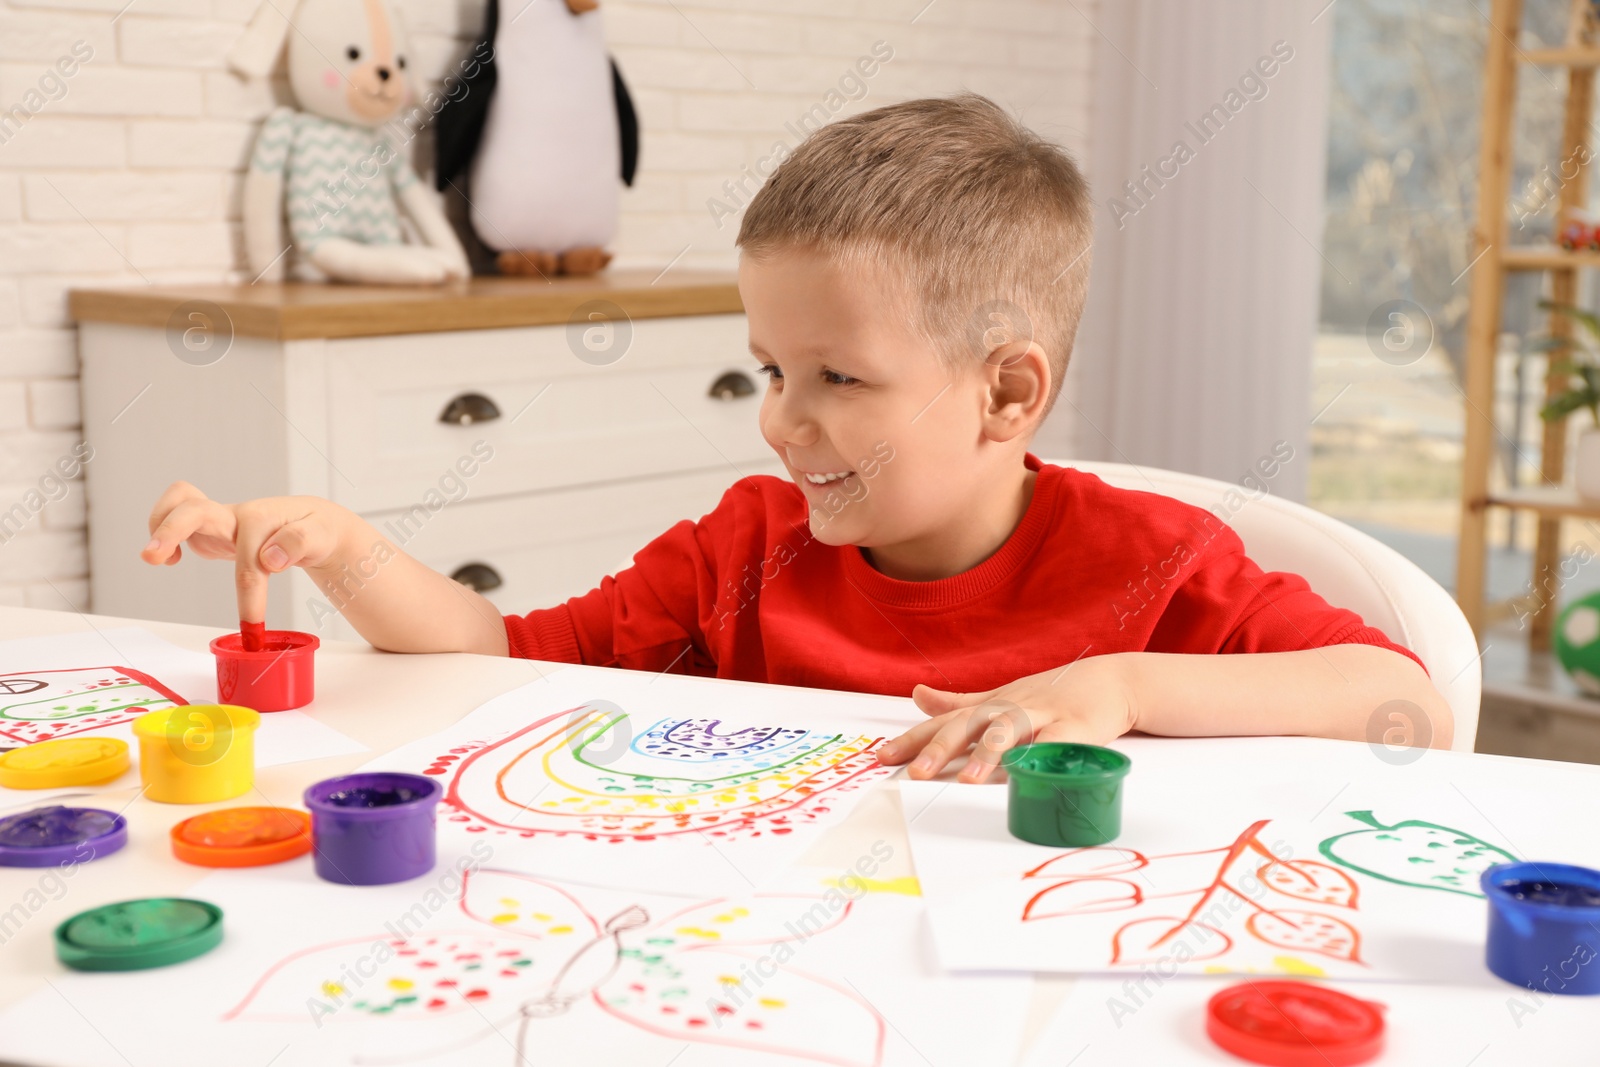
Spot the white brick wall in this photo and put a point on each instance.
(132, 176)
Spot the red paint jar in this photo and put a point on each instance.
(277, 678)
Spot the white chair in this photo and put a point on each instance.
(1347, 568)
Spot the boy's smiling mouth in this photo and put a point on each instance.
(825, 478)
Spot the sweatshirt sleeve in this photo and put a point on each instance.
(653, 615)
(1228, 604)
(645, 617)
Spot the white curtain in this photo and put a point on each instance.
(1195, 351)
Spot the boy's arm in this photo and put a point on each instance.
(394, 601)
(1320, 692)
(1335, 691)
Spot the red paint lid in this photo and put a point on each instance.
(1295, 1024)
(242, 837)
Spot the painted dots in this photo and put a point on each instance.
(695, 931)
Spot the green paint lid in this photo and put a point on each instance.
(1068, 764)
(133, 935)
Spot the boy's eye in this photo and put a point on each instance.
(771, 371)
(833, 377)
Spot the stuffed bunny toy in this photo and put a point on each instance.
(346, 184)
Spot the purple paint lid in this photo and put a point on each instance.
(45, 837)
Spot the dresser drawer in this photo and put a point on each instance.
(545, 547)
(641, 407)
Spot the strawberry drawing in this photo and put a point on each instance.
(1415, 853)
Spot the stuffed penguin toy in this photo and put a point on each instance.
(347, 185)
(546, 126)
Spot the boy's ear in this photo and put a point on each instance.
(1017, 375)
(255, 53)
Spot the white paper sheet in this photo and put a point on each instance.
(1259, 855)
(98, 701)
(439, 971)
(1106, 1023)
(625, 778)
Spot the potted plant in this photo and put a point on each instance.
(1582, 368)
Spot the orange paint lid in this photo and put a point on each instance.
(242, 837)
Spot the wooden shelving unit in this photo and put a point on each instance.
(1547, 257)
(1570, 56)
(1555, 501)
(1550, 501)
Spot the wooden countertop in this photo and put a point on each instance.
(294, 311)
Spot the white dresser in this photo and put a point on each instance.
(613, 406)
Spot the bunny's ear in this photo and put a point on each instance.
(397, 19)
(254, 54)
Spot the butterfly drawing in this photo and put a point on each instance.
(712, 972)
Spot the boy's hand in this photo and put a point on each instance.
(262, 537)
(1089, 701)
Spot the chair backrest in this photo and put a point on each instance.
(1346, 567)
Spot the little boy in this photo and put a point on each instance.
(913, 278)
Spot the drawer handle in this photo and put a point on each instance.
(469, 408)
(479, 577)
(733, 385)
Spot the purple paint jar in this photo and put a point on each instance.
(373, 828)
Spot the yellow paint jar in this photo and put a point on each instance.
(197, 753)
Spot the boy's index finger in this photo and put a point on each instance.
(250, 577)
(902, 748)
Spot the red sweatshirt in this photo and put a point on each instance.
(747, 593)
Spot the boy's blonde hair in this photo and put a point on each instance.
(987, 225)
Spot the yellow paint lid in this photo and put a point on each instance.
(64, 761)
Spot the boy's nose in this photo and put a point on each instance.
(788, 424)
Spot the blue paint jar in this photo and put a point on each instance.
(1544, 926)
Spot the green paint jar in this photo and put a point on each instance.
(1065, 795)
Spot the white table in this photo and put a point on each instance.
(384, 700)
